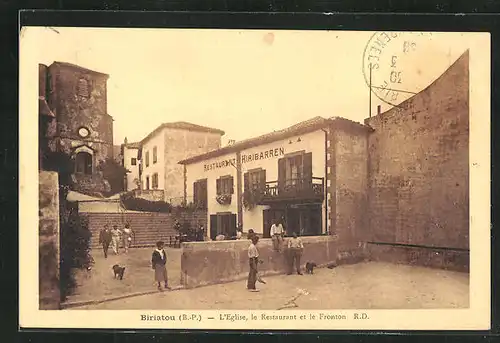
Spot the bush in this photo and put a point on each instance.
(138, 204)
(75, 249)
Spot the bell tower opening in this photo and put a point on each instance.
(83, 163)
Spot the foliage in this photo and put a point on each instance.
(138, 204)
(224, 199)
(114, 172)
(251, 198)
(75, 249)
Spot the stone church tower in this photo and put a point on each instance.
(82, 127)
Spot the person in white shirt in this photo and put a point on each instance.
(295, 248)
(238, 234)
(127, 237)
(277, 235)
(253, 259)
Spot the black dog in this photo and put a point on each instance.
(118, 271)
(310, 267)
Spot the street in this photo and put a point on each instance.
(371, 285)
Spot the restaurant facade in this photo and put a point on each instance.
(283, 175)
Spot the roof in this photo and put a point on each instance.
(307, 126)
(71, 65)
(133, 145)
(182, 125)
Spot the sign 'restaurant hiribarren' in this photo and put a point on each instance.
(277, 152)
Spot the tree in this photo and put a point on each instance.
(114, 173)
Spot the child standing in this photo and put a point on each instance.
(253, 259)
(158, 262)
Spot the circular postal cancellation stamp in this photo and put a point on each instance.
(392, 64)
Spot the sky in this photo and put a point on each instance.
(245, 82)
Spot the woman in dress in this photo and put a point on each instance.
(159, 262)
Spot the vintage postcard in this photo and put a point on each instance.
(254, 179)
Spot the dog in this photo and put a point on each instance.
(310, 267)
(118, 271)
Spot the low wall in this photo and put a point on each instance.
(148, 227)
(457, 260)
(205, 263)
(48, 265)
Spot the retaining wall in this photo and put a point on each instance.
(205, 263)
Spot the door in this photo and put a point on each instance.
(293, 221)
(213, 226)
(268, 219)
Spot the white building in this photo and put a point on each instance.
(129, 153)
(277, 176)
(159, 172)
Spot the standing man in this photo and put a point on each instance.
(295, 248)
(277, 235)
(115, 235)
(253, 260)
(105, 239)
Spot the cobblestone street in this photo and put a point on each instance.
(370, 285)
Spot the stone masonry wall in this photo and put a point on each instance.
(148, 227)
(74, 111)
(179, 145)
(49, 291)
(418, 166)
(350, 185)
(205, 263)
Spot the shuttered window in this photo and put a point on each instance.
(225, 185)
(254, 180)
(295, 169)
(154, 181)
(200, 193)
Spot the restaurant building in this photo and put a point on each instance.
(284, 175)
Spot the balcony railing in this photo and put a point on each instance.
(297, 189)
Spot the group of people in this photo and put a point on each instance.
(295, 250)
(113, 237)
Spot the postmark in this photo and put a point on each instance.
(388, 64)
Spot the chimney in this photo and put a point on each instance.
(378, 109)
(125, 140)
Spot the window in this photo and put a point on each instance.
(225, 185)
(294, 170)
(83, 88)
(255, 179)
(147, 182)
(83, 163)
(154, 181)
(133, 161)
(155, 157)
(200, 193)
(147, 158)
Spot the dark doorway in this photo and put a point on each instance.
(303, 220)
(223, 224)
(270, 217)
(83, 163)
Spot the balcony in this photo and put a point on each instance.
(294, 190)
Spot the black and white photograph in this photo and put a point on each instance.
(275, 179)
